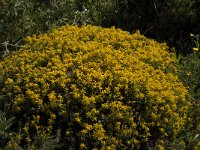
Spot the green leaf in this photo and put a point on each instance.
(8, 126)
(10, 120)
(2, 116)
(2, 125)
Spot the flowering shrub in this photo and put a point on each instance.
(102, 87)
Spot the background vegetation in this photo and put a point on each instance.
(171, 21)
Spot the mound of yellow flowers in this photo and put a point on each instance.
(102, 88)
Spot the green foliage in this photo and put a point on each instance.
(190, 75)
(100, 87)
(20, 18)
(164, 20)
(183, 10)
(171, 21)
(5, 125)
(100, 12)
(185, 14)
(195, 42)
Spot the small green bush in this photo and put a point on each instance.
(190, 75)
(190, 67)
(101, 87)
(189, 70)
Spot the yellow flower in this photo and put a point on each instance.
(82, 145)
(88, 127)
(192, 35)
(195, 49)
(9, 81)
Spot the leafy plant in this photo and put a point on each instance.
(195, 42)
(189, 73)
(20, 18)
(5, 125)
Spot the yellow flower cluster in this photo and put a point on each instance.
(108, 88)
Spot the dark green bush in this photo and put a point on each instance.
(190, 75)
